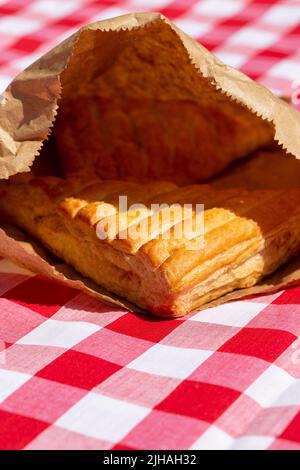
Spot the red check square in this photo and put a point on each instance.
(16, 431)
(292, 431)
(147, 328)
(27, 45)
(288, 297)
(122, 447)
(68, 22)
(9, 9)
(78, 369)
(264, 343)
(199, 400)
(41, 295)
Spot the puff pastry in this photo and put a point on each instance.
(150, 138)
(266, 169)
(247, 235)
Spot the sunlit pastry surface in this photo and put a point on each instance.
(247, 235)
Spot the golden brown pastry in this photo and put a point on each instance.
(150, 138)
(273, 169)
(247, 235)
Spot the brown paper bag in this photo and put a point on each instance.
(103, 51)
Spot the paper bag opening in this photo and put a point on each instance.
(144, 111)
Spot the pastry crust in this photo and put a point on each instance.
(139, 139)
(247, 235)
(273, 169)
(144, 111)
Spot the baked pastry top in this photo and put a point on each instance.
(148, 256)
(264, 170)
(128, 138)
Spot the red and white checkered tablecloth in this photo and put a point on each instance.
(76, 374)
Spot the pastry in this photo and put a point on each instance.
(247, 235)
(273, 169)
(140, 139)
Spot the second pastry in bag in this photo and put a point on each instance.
(144, 139)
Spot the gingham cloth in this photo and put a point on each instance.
(76, 374)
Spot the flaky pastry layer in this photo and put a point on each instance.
(140, 139)
(247, 235)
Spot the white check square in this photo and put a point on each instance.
(282, 15)
(24, 61)
(231, 58)
(169, 361)
(192, 27)
(252, 443)
(16, 27)
(253, 37)
(59, 333)
(54, 8)
(213, 439)
(143, 5)
(218, 8)
(291, 396)
(102, 417)
(231, 314)
(288, 69)
(106, 13)
(4, 81)
(269, 386)
(10, 381)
